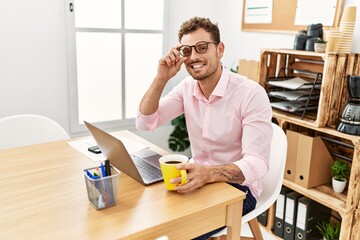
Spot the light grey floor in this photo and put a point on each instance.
(245, 232)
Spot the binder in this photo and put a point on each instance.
(290, 215)
(262, 218)
(280, 212)
(309, 213)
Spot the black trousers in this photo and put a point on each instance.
(248, 206)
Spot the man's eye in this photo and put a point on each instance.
(201, 48)
(186, 51)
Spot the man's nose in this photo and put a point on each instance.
(194, 54)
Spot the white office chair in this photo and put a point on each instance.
(27, 129)
(271, 183)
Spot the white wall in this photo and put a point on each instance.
(33, 72)
(33, 65)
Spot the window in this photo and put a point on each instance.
(113, 50)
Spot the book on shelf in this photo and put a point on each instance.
(290, 106)
(299, 95)
(294, 83)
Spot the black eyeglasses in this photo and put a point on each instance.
(200, 47)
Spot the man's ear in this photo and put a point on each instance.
(221, 49)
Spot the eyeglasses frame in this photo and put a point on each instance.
(194, 46)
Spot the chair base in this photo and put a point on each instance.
(255, 229)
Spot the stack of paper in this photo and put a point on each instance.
(293, 95)
(293, 83)
(292, 106)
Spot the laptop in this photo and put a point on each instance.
(143, 165)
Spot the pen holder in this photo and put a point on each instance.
(103, 191)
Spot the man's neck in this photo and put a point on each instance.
(208, 85)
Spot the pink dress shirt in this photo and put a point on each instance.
(232, 126)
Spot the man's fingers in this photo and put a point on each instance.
(180, 61)
(175, 180)
(172, 57)
(186, 166)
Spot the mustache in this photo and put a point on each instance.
(194, 61)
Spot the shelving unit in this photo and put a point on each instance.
(332, 100)
(333, 67)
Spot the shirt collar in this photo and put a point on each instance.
(220, 87)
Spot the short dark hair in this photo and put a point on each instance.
(195, 23)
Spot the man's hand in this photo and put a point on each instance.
(170, 64)
(199, 175)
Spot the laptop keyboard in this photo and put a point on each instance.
(147, 171)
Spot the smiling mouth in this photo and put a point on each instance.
(197, 66)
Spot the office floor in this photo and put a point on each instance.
(245, 232)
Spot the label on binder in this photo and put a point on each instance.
(301, 216)
(280, 206)
(289, 214)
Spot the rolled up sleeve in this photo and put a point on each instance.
(256, 137)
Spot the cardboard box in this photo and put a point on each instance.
(313, 163)
(249, 68)
(291, 158)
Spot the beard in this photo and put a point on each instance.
(204, 73)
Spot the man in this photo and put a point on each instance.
(228, 116)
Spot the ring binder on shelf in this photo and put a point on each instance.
(309, 214)
(280, 212)
(290, 215)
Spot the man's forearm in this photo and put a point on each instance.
(150, 102)
(226, 173)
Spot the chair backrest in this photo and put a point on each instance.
(272, 182)
(27, 129)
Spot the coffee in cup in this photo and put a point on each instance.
(169, 170)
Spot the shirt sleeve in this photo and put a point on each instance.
(256, 135)
(170, 106)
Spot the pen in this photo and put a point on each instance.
(107, 167)
(107, 196)
(109, 185)
(102, 170)
(102, 186)
(89, 174)
(97, 172)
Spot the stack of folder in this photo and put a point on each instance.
(280, 212)
(296, 216)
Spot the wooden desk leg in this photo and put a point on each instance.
(233, 221)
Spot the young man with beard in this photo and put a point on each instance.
(228, 116)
